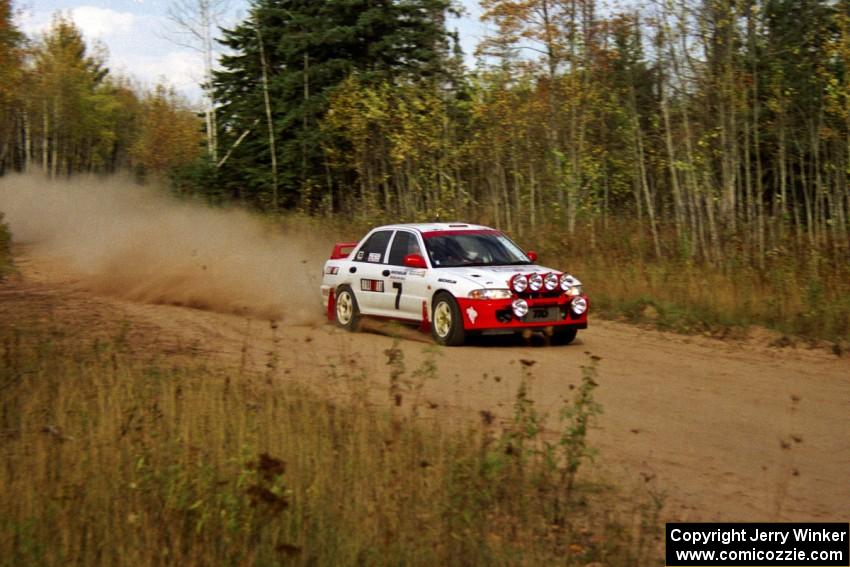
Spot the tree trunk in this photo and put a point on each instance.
(269, 120)
(45, 139)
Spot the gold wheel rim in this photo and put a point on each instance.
(344, 308)
(442, 319)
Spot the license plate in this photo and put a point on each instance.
(544, 314)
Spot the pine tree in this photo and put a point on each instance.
(10, 76)
(287, 57)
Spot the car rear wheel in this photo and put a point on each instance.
(346, 312)
(564, 336)
(446, 321)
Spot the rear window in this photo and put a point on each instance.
(374, 248)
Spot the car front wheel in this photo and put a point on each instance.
(346, 312)
(446, 321)
(564, 336)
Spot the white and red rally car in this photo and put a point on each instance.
(454, 279)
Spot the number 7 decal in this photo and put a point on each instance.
(397, 285)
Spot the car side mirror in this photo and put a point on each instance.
(531, 255)
(414, 261)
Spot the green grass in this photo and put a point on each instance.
(112, 460)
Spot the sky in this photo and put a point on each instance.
(142, 43)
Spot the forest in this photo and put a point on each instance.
(689, 159)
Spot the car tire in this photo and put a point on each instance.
(564, 336)
(346, 312)
(446, 321)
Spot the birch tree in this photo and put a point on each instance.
(195, 21)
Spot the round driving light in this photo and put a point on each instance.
(567, 281)
(551, 281)
(519, 283)
(579, 305)
(520, 307)
(535, 282)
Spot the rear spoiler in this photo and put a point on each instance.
(342, 250)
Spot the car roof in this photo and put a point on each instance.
(437, 226)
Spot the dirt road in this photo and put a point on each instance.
(725, 431)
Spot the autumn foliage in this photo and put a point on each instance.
(63, 112)
(168, 135)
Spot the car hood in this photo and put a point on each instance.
(492, 276)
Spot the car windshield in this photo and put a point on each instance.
(473, 249)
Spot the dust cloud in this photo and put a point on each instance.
(138, 243)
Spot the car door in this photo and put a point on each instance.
(408, 284)
(370, 278)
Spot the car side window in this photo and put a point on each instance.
(374, 248)
(404, 244)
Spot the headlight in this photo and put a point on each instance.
(579, 305)
(490, 294)
(520, 307)
(575, 290)
(519, 282)
(535, 282)
(567, 281)
(551, 281)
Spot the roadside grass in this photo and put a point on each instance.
(111, 459)
(800, 290)
(790, 296)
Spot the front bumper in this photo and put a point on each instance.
(497, 314)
